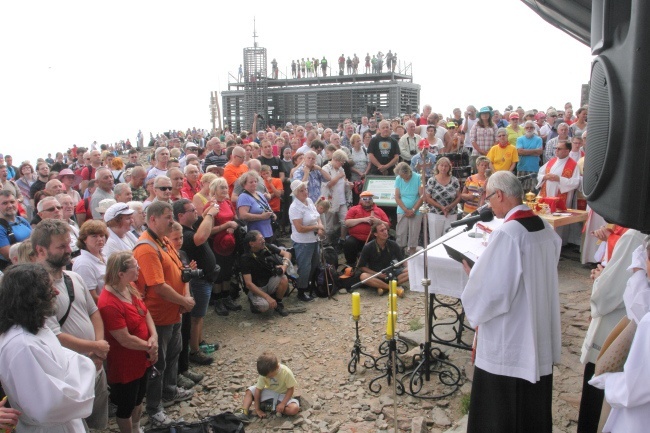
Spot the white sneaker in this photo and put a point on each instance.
(160, 419)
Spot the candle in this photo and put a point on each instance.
(391, 324)
(356, 305)
(392, 302)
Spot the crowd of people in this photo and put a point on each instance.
(133, 245)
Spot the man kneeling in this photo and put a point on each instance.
(263, 268)
(378, 255)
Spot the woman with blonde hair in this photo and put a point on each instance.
(131, 333)
(223, 245)
(334, 191)
(442, 193)
(202, 197)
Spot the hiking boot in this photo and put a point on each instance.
(280, 309)
(181, 395)
(200, 358)
(304, 296)
(220, 309)
(381, 292)
(243, 416)
(230, 304)
(160, 419)
(193, 376)
(184, 382)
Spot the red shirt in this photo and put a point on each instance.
(88, 172)
(224, 242)
(84, 207)
(124, 365)
(361, 231)
(188, 190)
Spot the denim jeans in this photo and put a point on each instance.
(307, 259)
(164, 384)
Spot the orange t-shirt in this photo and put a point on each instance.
(275, 201)
(157, 269)
(232, 173)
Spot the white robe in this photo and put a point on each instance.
(512, 295)
(628, 392)
(51, 386)
(607, 306)
(565, 185)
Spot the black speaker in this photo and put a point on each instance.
(616, 172)
(616, 177)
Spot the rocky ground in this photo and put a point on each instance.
(316, 345)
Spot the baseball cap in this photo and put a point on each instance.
(514, 115)
(424, 143)
(116, 210)
(540, 115)
(366, 194)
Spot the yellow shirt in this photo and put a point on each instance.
(278, 383)
(512, 135)
(503, 157)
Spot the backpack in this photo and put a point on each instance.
(325, 281)
(10, 236)
(225, 422)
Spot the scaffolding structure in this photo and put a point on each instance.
(255, 97)
(329, 100)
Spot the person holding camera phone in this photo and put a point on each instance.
(263, 267)
(254, 207)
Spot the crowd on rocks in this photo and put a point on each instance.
(138, 243)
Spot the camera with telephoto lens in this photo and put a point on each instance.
(272, 263)
(188, 274)
(413, 152)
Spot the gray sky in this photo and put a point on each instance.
(78, 71)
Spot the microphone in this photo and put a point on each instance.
(528, 176)
(484, 215)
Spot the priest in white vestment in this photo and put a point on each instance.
(628, 392)
(51, 386)
(512, 297)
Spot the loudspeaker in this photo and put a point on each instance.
(616, 172)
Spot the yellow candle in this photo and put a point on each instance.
(392, 286)
(392, 302)
(391, 324)
(356, 305)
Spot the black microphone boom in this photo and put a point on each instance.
(484, 215)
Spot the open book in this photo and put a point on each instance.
(464, 247)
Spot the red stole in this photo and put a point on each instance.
(617, 232)
(520, 214)
(570, 165)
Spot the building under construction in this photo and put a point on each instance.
(327, 99)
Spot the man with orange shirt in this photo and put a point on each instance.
(235, 167)
(166, 296)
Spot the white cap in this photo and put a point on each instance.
(116, 210)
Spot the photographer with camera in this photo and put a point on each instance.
(166, 296)
(196, 232)
(263, 268)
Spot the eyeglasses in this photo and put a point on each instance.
(501, 135)
(52, 209)
(164, 188)
(552, 115)
(529, 127)
(490, 196)
(366, 198)
(189, 210)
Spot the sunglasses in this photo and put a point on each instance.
(164, 188)
(52, 209)
(366, 198)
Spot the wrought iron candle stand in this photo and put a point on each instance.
(390, 364)
(358, 351)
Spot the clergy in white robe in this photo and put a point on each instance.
(607, 308)
(557, 179)
(512, 297)
(628, 392)
(53, 387)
